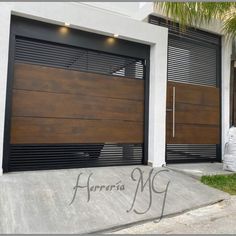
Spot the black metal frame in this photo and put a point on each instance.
(232, 85)
(232, 93)
(219, 85)
(218, 79)
(49, 32)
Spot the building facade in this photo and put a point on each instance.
(100, 84)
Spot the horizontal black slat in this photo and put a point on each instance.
(189, 32)
(59, 156)
(192, 63)
(192, 54)
(177, 152)
(50, 167)
(73, 58)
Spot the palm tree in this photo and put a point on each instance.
(196, 13)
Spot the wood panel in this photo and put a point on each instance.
(44, 104)
(47, 79)
(50, 130)
(197, 114)
(193, 134)
(194, 94)
(52, 105)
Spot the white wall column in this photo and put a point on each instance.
(4, 47)
(226, 64)
(157, 103)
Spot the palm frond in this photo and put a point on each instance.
(230, 26)
(197, 13)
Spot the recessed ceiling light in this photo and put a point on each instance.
(116, 35)
(64, 30)
(111, 40)
(67, 24)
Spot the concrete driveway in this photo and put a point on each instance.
(215, 219)
(49, 202)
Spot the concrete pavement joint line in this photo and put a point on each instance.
(117, 228)
(183, 172)
(197, 170)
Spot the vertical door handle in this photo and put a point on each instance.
(173, 113)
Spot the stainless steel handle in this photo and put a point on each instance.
(173, 114)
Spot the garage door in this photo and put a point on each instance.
(74, 107)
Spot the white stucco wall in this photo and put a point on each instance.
(225, 86)
(135, 10)
(88, 18)
(127, 9)
(4, 47)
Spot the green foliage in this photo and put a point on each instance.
(196, 13)
(226, 183)
(230, 26)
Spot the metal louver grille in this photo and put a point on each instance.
(40, 157)
(183, 152)
(192, 54)
(74, 58)
(190, 33)
(191, 63)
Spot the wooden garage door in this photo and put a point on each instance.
(75, 116)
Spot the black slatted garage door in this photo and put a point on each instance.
(73, 106)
